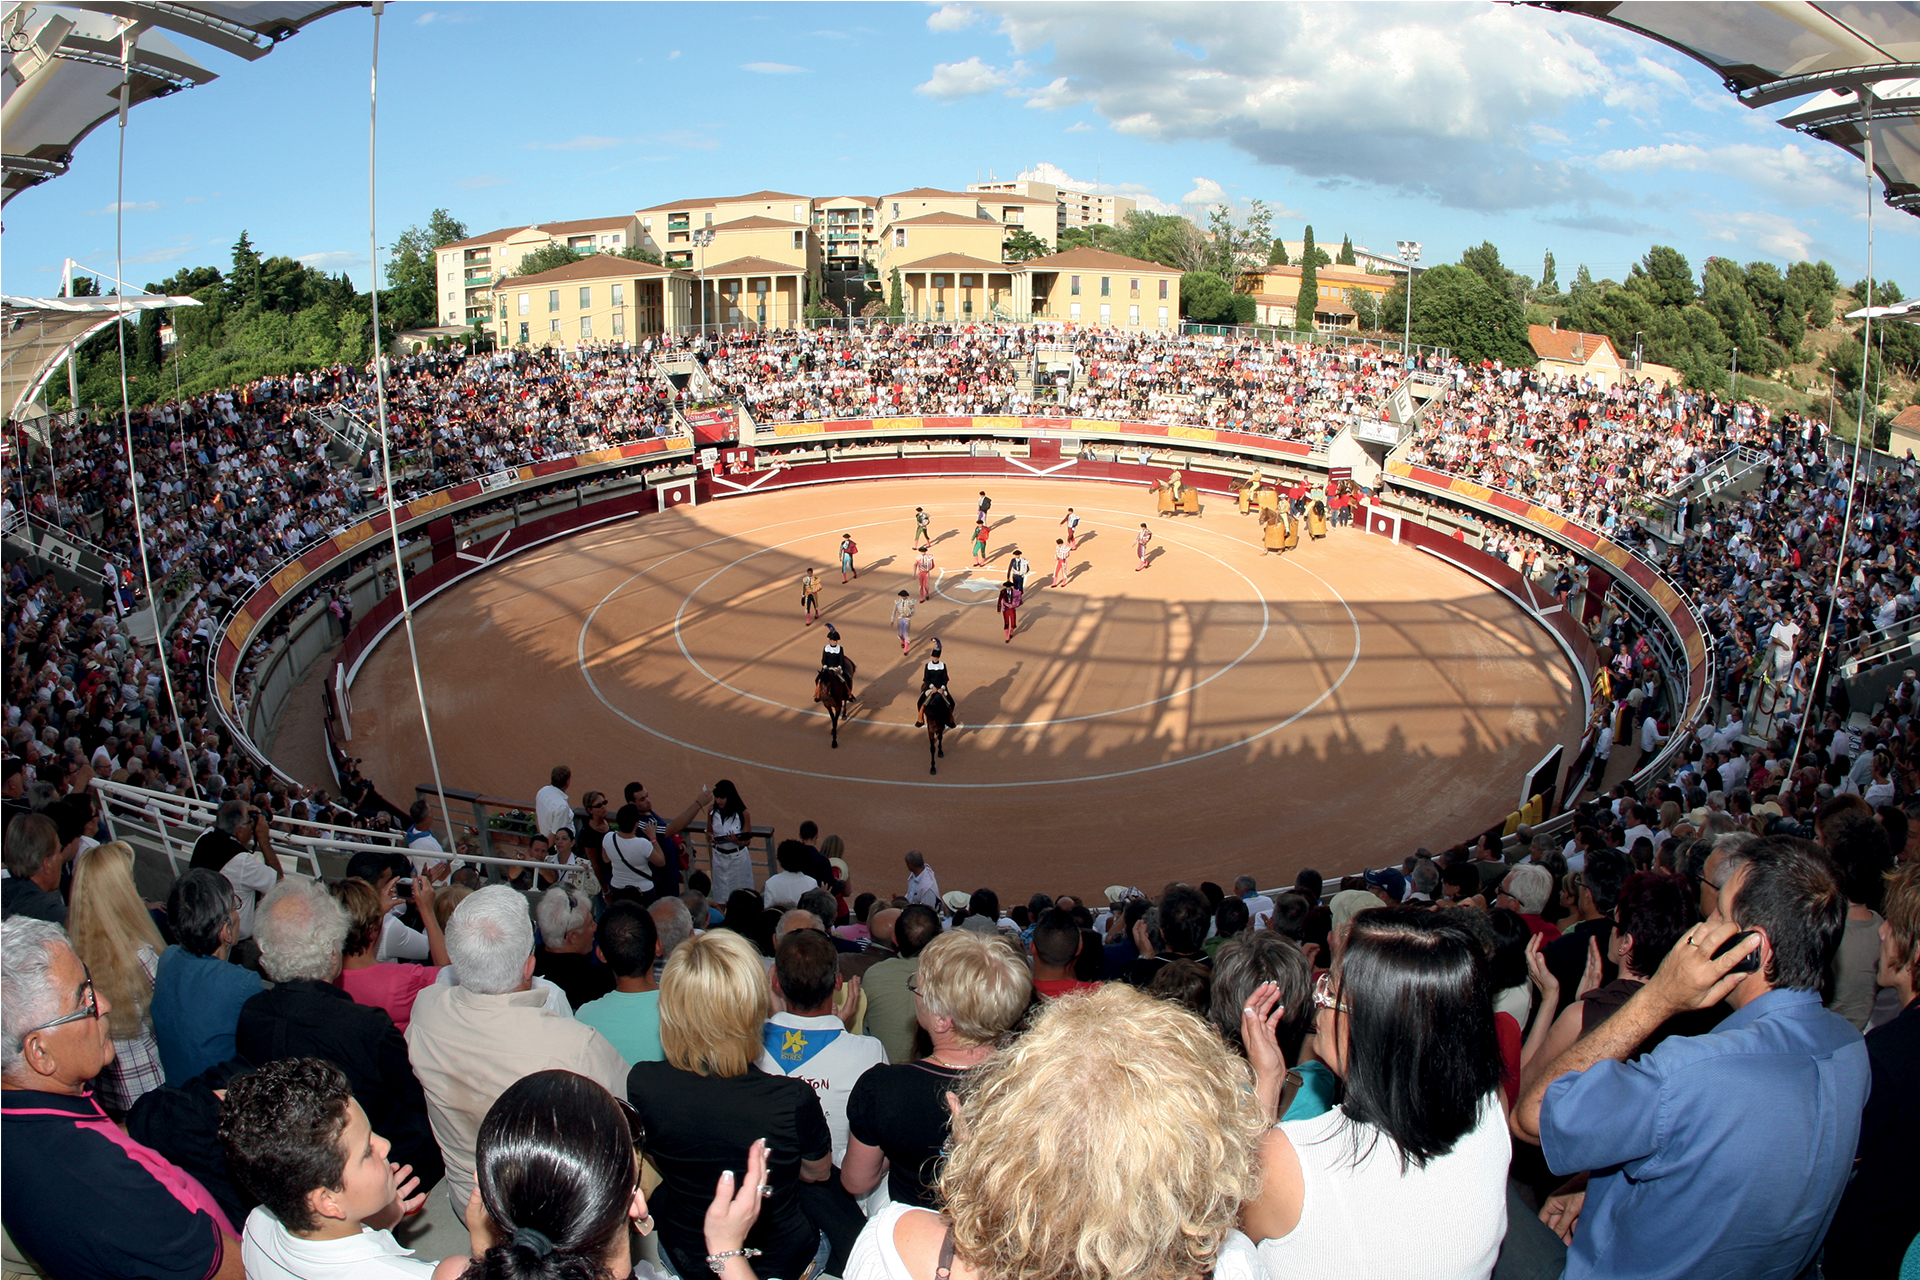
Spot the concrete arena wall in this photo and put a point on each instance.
(1237, 451)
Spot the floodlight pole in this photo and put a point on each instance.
(1409, 254)
(701, 239)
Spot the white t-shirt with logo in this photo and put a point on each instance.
(821, 1051)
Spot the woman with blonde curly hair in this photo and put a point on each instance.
(115, 938)
(1115, 1139)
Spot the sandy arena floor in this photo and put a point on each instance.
(1223, 712)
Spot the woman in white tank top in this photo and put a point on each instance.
(1406, 1021)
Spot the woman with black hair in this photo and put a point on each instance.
(1405, 1019)
(558, 1172)
(729, 829)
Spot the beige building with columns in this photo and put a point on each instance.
(602, 299)
(1097, 288)
(466, 270)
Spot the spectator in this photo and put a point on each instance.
(1860, 849)
(114, 937)
(1589, 927)
(1186, 983)
(1241, 967)
(384, 869)
(559, 1188)
(729, 831)
(1055, 945)
(1037, 1183)
(968, 991)
(892, 1016)
(1406, 1022)
(983, 912)
(197, 994)
(811, 1040)
(706, 1105)
(1259, 905)
(34, 867)
(227, 847)
(784, 888)
(1662, 1198)
(881, 918)
(673, 922)
(296, 1139)
(923, 888)
(386, 984)
(1184, 919)
(566, 955)
(552, 809)
(305, 1015)
(627, 942)
(1875, 1227)
(61, 1151)
(468, 1042)
(1230, 918)
(1526, 890)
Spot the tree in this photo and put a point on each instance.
(1277, 256)
(1307, 301)
(640, 253)
(243, 281)
(1665, 276)
(1156, 237)
(1024, 246)
(896, 301)
(1091, 237)
(410, 299)
(1456, 307)
(1345, 257)
(147, 351)
(1549, 281)
(1207, 298)
(1368, 313)
(546, 258)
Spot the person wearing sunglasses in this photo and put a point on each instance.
(59, 1151)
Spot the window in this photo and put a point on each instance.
(940, 282)
(797, 215)
(1106, 313)
(586, 328)
(586, 296)
(966, 307)
(451, 295)
(760, 313)
(646, 224)
(619, 295)
(553, 300)
(1163, 317)
(940, 306)
(1073, 311)
(1106, 286)
(553, 326)
(1073, 285)
(523, 331)
(896, 208)
(614, 240)
(619, 324)
(1133, 287)
(1133, 316)
(799, 239)
(453, 317)
(1163, 294)
(709, 221)
(899, 237)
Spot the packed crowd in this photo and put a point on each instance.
(613, 1061)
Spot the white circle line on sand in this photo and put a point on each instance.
(1353, 660)
(1266, 623)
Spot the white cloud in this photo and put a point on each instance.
(1790, 173)
(425, 18)
(1206, 193)
(962, 80)
(180, 249)
(1079, 126)
(772, 68)
(951, 17)
(673, 55)
(582, 142)
(125, 206)
(1140, 194)
(1772, 233)
(1428, 99)
(332, 260)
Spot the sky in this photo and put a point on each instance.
(1444, 123)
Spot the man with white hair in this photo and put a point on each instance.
(1526, 890)
(76, 1193)
(301, 930)
(469, 1042)
(565, 915)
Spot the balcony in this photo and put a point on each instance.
(475, 281)
(682, 223)
(478, 257)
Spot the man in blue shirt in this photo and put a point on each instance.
(1723, 1154)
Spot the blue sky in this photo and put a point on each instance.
(1444, 123)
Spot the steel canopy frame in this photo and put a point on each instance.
(38, 334)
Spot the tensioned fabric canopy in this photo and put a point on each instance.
(1771, 53)
(37, 333)
(61, 74)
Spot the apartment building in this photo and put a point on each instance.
(848, 230)
(466, 270)
(1276, 293)
(600, 299)
(1072, 208)
(669, 229)
(1094, 287)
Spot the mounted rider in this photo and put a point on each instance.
(836, 664)
(934, 678)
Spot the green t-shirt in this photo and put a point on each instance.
(630, 1020)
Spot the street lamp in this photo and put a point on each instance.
(1409, 254)
(1636, 350)
(702, 238)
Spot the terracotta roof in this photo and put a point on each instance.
(944, 220)
(1007, 197)
(1097, 259)
(491, 237)
(821, 202)
(693, 202)
(758, 223)
(751, 266)
(932, 193)
(759, 195)
(583, 224)
(1566, 345)
(956, 262)
(1331, 275)
(600, 266)
(1908, 418)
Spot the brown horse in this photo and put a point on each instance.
(938, 713)
(833, 691)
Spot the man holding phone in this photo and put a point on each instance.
(1726, 1153)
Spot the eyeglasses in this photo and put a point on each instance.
(1323, 994)
(89, 1006)
(913, 984)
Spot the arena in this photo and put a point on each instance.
(1136, 724)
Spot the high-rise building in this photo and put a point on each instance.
(1073, 208)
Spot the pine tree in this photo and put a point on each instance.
(1549, 281)
(896, 304)
(1308, 300)
(243, 282)
(1277, 256)
(1346, 258)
